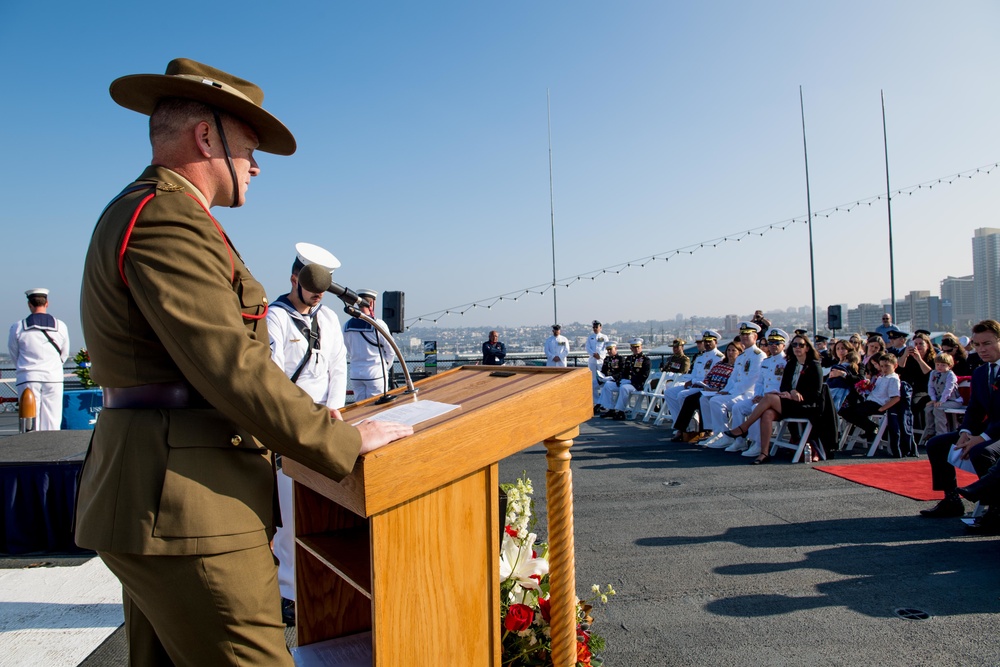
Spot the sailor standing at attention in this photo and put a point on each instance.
(556, 348)
(597, 343)
(368, 351)
(39, 346)
(307, 344)
(177, 492)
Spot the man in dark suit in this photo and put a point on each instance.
(978, 440)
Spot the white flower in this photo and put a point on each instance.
(517, 564)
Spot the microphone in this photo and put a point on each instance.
(317, 279)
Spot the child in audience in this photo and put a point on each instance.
(883, 396)
(943, 390)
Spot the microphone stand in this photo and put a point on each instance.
(410, 389)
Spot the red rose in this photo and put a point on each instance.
(510, 531)
(518, 618)
(582, 653)
(543, 607)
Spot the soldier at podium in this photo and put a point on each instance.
(177, 489)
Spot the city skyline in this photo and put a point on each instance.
(423, 159)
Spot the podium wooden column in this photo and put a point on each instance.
(408, 544)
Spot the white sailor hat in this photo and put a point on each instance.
(963, 341)
(777, 335)
(368, 293)
(749, 327)
(308, 253)
(36, 290)
(635, 342)
(710, 334)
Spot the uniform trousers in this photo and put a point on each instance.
(741, 411)
(595, 386)
(284, 537)
(625, 390)
(716, 409)
(983, 457)
(367, 388)
(609, 392)
(220, 609)
(49, 400)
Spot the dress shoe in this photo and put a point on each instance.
(288, 612)
(598, 410)
(707, 437)
(947, 508)
(678, 437)
(986, 524)
(978, 489)
(739, 444)
(754, 450)
(619, 416)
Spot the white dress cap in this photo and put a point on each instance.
(36, 290)
(309, 253)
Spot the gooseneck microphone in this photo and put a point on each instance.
(316, 279)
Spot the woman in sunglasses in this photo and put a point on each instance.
(958, 354)
(799, 396)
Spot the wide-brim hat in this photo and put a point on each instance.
(192, 80)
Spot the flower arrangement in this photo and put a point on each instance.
(864, 387)
(82, 370)
(524, 592)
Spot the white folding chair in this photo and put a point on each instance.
(806, 427)
(637, 399)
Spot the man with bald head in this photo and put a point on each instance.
(177, 490)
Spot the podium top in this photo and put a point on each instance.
(499, 416)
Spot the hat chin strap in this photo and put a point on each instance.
(229, 159)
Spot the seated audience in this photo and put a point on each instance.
(844, 374)
(716, 378)
(961, 367)
(883, 396)
(874, 349)
(915, 367)
(771, 372)
(800, 396)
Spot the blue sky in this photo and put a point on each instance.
(423, 154)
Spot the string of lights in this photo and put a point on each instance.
(665, 256)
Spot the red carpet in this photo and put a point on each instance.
(911, 479)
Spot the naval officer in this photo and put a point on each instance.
(307, 344)
(768, 381)
(39, 346)
(368, 351)
(596, 344)
(556, 348)
(675, 394)
(716, 409)
(635, 372)
(177, 491)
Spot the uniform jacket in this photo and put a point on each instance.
(324, 376)
(556, 346)
(612, 367)
(982, 417)
(597, 344)
(676, 363)
(637, 368)
(703, 363)
(179, 305)
(34, 356)
(746, 370)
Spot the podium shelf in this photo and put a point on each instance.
(347, 552)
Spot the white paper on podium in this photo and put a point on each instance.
(412, 413)
(352, 651)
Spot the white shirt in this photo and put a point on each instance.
(369, 353)
(35, 358)
(596, 344)
(556, 346)
(324, 377)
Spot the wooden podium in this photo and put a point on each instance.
(408, 544)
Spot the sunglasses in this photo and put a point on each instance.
(798, 344)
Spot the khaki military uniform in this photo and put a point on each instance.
(167, 299)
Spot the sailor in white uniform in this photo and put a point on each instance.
(716, 409)
(771, 370)
(368, 351)
(308, 345)
(556, 348)
(685, 385)
(597, 343)
(39, 346)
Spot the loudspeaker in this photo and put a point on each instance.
(833, 321)
(392, 310)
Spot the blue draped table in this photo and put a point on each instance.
(38, 481)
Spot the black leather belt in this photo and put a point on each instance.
(160, 396)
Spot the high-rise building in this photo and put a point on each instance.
(961, 293)
(732, 325)
(866, 317)
(986, 272)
